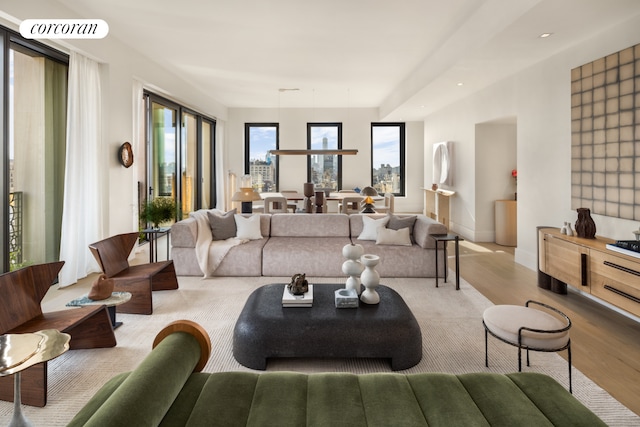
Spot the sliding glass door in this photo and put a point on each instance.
(180, 151)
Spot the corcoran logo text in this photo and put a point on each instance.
(64, 28)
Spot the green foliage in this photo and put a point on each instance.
(158, 211)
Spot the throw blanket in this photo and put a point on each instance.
(209, 252)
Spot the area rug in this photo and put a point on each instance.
(453, 342)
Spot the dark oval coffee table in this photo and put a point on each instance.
(265, 329)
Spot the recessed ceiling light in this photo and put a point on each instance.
(460, 83)
(545, 35)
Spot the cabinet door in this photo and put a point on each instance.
(616, 280)
(566, 262)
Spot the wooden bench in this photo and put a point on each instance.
(22, 292)
(140, 280)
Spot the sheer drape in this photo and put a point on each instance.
(82, 218)
(138, 145)
(221, 169)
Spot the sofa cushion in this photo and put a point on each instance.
(248, 228)
(285, 256)
(387, 236)
(403, 261)
(370, 227)
(310, 225)
(396, 223)
(223, 225)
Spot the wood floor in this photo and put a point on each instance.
(605, 345)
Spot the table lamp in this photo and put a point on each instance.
(246, 195)
(368, 205)
(369, 192)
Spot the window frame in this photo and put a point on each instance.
(181, 110)
(10, 39)
(247, 149)
(338, 125)
(402, 153)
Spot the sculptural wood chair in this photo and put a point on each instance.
(140, 280)
(22, 293)
(350, 204)
(543, 328)
(275, 205)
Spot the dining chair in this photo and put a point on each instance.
(275, 205)
(388, 206)
(291, 204)
(350, 204)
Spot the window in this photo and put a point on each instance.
(180, 153)
(259, 138)
(387, 158)
(33, 130)
(325, 171)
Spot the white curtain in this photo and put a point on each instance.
(221, 169)
(138, 146)
(82, 219)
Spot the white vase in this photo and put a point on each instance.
(370, 279)
(569, 230)
(352, 267)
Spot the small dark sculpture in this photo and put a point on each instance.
(585, 226)
(298, 285)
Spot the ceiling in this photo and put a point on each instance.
(406, 58)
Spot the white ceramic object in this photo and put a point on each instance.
(352, 267)
(370, 279)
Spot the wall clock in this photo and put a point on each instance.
(125, 155)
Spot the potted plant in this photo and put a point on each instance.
(158, 210)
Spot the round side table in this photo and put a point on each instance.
(114, 300)
(20, 351)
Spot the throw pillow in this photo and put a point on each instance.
(396, 223)
(387, 236)
(248, 227)
(371, 226)
(223, 226)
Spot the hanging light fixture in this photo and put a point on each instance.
(309, 152)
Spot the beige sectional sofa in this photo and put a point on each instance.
(312, 244)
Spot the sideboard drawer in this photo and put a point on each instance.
(616, 280)
(566, 261)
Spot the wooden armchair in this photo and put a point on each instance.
(22, 292)
(112, 255)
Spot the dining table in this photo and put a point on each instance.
(333, 196)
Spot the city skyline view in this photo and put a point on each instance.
(385, 143)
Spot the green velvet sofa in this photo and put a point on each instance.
(167, 390)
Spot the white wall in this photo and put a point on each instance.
(495, 159)
(539, 98)
(356, 133)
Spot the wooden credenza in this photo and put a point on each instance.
(436, 205)
(588, 265)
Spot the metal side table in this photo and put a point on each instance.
(445, 238)
(152, 235)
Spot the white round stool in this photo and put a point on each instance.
(528, 328)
